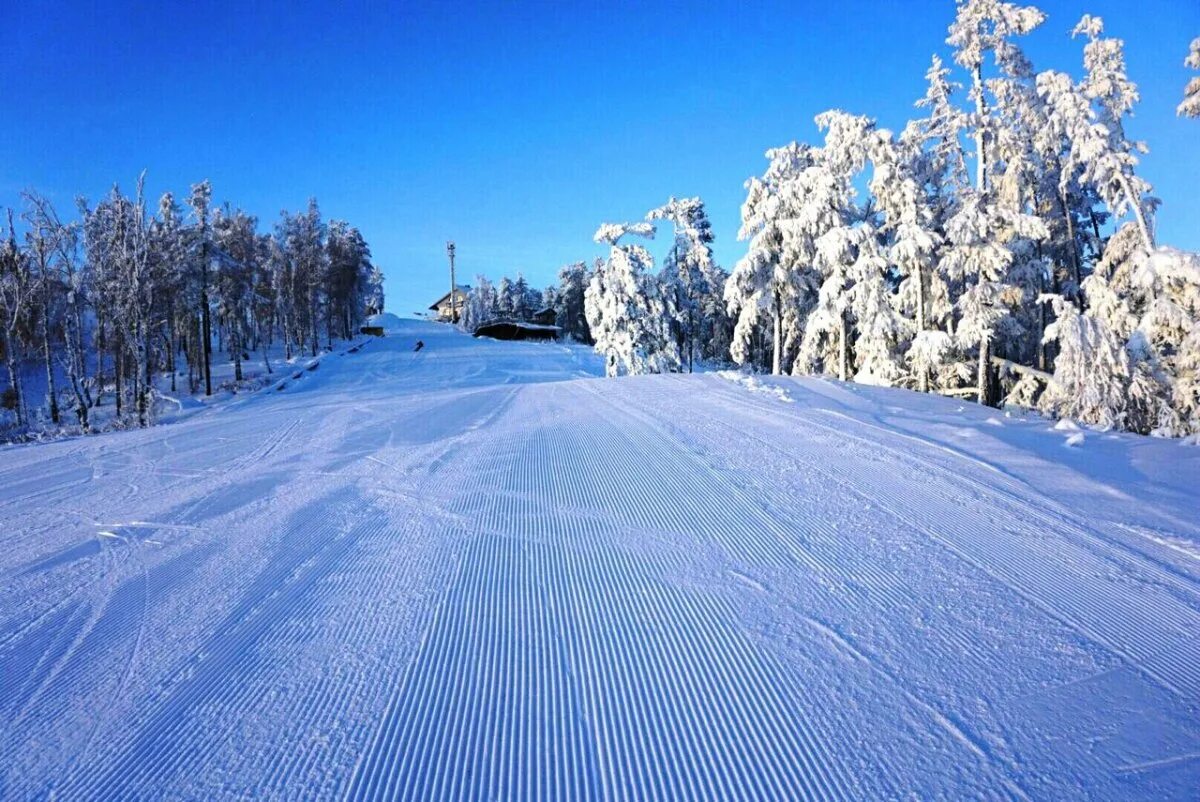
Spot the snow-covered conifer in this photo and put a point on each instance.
(628, 315)
(981, 27)
(569, 301)
(1190, 107)
(1091, 371)
(690, 274)
(773, 287)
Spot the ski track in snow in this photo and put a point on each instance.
(474, 575)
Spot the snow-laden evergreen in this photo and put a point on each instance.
(1000, 287)
(1190, 107)
(569, 301)
(628, 313)
(695, 282)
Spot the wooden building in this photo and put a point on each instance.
(517, 330)
(442, 308)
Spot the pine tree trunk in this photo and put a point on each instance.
(205, 322)
(777, 355)
(923, 376)
(172, 365)
(980, 153)
(1041, 331)
(843, 348)
(1076, 274)
(118, 373)
(144, 393)
(920, 277)
(235, 337)
(101, 348)
(312, 322)
(981, 380)
(1134, 203)
(206, 345)
(691, 340)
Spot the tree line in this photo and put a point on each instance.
(127, 293)
(1000, 246)
(641, 319)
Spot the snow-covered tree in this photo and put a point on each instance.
(976, 263)
(523, 304)
(981, 27)
(16, 297)
(504, 298)
(349, 287)
(237, 248)
(1190, 107)
(1167, 284)
(690, 275)
(773, 287)
(628, 315)
(1105, 156)
(201, 201)
(569, 302)
(934, 142)
(481, 304)
(911, 216)
(830, 233)
(1092, 370)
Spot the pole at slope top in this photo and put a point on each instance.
(453, 286)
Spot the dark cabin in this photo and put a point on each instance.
(517, 330)
(545, 316)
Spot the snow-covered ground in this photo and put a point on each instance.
(170, 404)
(477, 572)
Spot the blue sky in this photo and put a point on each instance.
(513, 129)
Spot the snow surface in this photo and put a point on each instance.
(471, 572)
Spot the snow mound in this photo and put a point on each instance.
(389, 321)
(756, 385)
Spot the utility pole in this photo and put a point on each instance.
(453, 286)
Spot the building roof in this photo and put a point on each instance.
(462, 288)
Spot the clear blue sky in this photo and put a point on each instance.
(514, 129)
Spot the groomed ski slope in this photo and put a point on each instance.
(479, 573)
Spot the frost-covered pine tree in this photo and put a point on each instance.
(201, 200)
(981, 27)
(569, 302)
(882, 334)
(690, 275)
(481, 304)
(1190, 107)
(504, 298)
(829, 233)
(1092, 368)
(238, 252)
(902, 171)
(1168, 283)
(976, 263)
(523, 303)
(773, 287)
(628, 315)
(934, 144)
(1106, 157)
(1114, 296)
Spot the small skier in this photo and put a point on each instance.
(420, 345)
